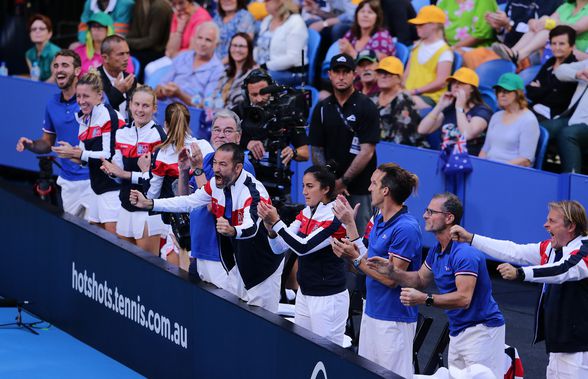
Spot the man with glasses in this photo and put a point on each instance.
(476, 325)
(195, 171)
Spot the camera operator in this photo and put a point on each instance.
(60, 125)
(267, 135)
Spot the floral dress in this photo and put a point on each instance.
(242, 22)
(399, 121)
(465, 18)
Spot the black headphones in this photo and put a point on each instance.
(255, 76)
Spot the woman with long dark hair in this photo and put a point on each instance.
(240, 64)
(323, 301)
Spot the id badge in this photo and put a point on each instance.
(354, 146)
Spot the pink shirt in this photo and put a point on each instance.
(381, 42)
(197, 18)
(96, 60)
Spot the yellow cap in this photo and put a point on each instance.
(257, 10)
(465, 75)
(429, 14)
(391, 65)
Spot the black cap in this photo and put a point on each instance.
(342, 60)
(368, 55)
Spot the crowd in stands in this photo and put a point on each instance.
(220, 55)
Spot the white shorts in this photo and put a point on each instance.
(266, 294)
(478, 344)
(388, 343)
(104, 208)
(568, 365)
(323, 315)
(76, 196)
(132, 224)
(212, 272)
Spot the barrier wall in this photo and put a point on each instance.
(146, 314)
(500, 200)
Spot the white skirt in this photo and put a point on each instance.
(104, 207)
(132, 224)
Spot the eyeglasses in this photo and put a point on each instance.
(236, 46)
(226, 132)
(38, 29)
(431, 212)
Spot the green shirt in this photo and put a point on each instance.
(44, 60)
(567, 16)
(465, 18)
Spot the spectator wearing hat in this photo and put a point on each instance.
(430, 61)
(460, 111)
(365, 73)
(399, 117)
(41, 31)
(100, 26)
(120, 11)
(513, 132)
(345, 128)
(549, 96)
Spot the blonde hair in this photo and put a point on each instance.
(148, 90)
(288, 7)
(92, 79)
(573, 213)
(177, 118)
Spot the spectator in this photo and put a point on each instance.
(387, 326)
(322, 304)
(131, 142)
(476, 325)
(186, 18)
(560, 263)
(570, 130)
(240, 64)
(234, 196)
(430, 61)
(510, 24)
(331, 18)
(461, 111)
(100, 26)
(97, 124)
(367, 32)
(118, 83)
(365, 80)
(513, 133)
(282, 43)
(399, 117)
(345, 127)
(120, 11)
(41, 31)
(149, 31)
(466, 25)
(60, 125)
(548, 95)
(573, 13)
(195, 73)
(232, 17)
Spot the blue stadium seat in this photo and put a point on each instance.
(541, 148)
(418, 4)
(457, 61)
(489, 98)
(136, 65)
(314, 40)
(529, 74)
(490, 71)
(155, 79)
(333, 50)
(402, 52)
(314, 98)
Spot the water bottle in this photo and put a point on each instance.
(35, 72)
(3, 69)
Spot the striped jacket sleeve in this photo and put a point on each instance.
(278, 244)
(318, 239)
(573, 268)
(507, 251)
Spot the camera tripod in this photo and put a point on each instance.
(19, 323)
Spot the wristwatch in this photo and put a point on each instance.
(521, 274)
(459, 110)
(357, 262)
(429, 301)
(197, 171)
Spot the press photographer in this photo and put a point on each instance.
(273, 119)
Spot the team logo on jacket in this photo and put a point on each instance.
(240, 215)
(142, 148)
(96, 132)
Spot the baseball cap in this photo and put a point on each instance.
(391, 65)
(368, 55)
(429, 14)
(101, 18)
(342, 60)
(510, 82)
(465, 75)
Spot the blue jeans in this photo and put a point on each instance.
(572, 141)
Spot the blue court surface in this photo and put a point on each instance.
(51, 354)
